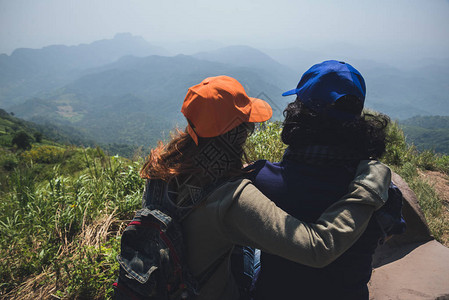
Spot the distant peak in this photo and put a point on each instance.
(123, 35)
(127, 37)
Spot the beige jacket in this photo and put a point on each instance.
(237, 213)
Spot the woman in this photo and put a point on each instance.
(327, 136)
(220, 116)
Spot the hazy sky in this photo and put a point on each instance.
(415, 27)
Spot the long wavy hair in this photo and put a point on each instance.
(365, 134)
(212, 159)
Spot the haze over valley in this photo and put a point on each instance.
(127, 90)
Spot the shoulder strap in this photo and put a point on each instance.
(156, 195)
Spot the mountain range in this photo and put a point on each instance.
(127, 91)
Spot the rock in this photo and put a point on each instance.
(412, 265)
(414, 271)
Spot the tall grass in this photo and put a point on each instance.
(44, 224)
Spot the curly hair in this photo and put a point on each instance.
(182, 157)
(364, 132)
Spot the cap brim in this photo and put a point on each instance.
(291, 92)
(260, 110)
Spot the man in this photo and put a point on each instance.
(327, 135)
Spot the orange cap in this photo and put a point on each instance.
(219, 104)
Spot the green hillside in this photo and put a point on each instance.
(48, 133)
(62, 210)
(427, 132)
(12, 128)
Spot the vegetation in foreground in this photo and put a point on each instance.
(59, 223)
(62, 210)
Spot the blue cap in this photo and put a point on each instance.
(325, 83)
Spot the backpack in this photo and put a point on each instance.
(152, 257)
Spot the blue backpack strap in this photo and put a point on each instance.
(245, 267)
